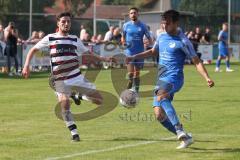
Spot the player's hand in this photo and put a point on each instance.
(210, 83)
(26, 72)
(129, 59)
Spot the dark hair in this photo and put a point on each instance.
(172, 14)
(63, 14)
(133, 8)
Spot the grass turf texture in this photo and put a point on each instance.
(30, 130)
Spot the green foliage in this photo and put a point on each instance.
(205, 7)
(118, 2)
(79, 7)
(22, 6)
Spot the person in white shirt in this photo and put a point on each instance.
(65, 50)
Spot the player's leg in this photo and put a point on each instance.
(85, 88)
(227, 62)
(165, 102)
(67, 115)
(163, 119)
(136, 78)
(218, 63)
(130, 72)
(164, 95)
(138, 65)
(95, 97)
(74, 95)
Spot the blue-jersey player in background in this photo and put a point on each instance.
(172, 47)
(223, 49)
(133, 33)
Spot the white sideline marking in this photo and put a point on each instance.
(107, 149)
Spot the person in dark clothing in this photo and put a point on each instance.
(10, 35)
(116, 35)
(207, 36)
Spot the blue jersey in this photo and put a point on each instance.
(133, 34)
(172, 53)
(223, 36)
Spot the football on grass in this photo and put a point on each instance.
(129, 98)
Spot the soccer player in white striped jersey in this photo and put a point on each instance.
(65, 50)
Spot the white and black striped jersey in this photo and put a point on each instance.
(64, 52)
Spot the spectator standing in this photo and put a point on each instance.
(198, 34)
(34, 38)
(1, 40)
(11, 37)
(117, 36)
(206, 38)
(41, 34)
(109, 34)
(1, 33)
(83, 32)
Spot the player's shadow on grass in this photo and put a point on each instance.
(141, 139)
(214, 150)
(134, 139)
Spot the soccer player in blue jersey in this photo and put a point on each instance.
(133, 33)
(223, 49)
(172, 47)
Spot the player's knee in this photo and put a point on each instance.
(65, 104)
(160, 116)
(130, 76)
(162, 97)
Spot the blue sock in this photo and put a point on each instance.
(170, 111)
(218, 62)
(168, 125)
(227, 63)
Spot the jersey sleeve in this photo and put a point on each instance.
(187, 46)
(43, 43)
(80, 47)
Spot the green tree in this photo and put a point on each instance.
(118, 2)
(204, 7)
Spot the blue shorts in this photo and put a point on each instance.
(223, 52)
(167, 85)
(138, 63)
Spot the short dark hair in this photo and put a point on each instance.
(133, 8)
(172, 14)
(63, 14)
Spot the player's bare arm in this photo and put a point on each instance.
(149, 53)
(96, 58)
(26, 70)
(202, 70)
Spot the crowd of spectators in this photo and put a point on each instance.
(9, 39)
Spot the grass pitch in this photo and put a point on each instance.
(30, 130)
